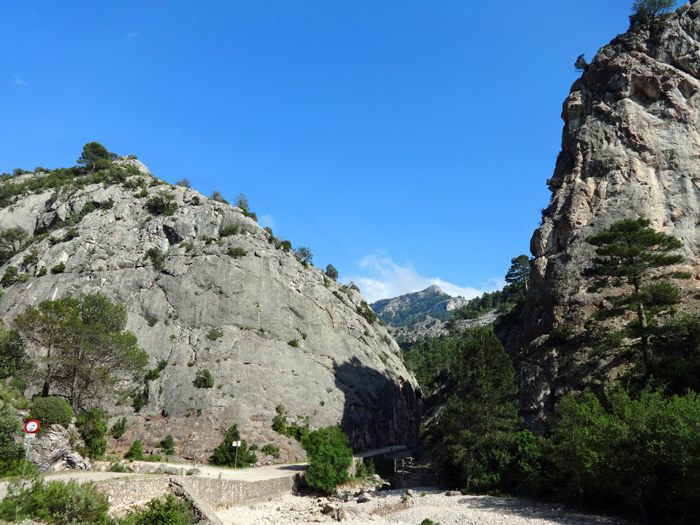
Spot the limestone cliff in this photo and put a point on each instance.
(630, 148)
(271, 330)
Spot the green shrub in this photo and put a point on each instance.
(10, 276)
(59, 268)
(162, 204)
(271, 450)
(118, 428)
(293, 343)
(236, 252)
(168, 445)
(71, 234)
(215, 333)
(93, 427)
(118, 467)
(168, 510)
(329, 456)
(152, 374)
(231, 229)
(135, 452)
(195, 200)
(139, 398)
(11, 451)
(225, 454)
(50, 410)
(640, 454)
(56, 502)
(155, 458)
(286, 245)
(157, 257)
(203, 379)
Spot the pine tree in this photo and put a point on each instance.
(627, 252)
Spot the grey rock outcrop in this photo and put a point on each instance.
(630, 149)
(270, 330)
(429, 328)
(51, 451)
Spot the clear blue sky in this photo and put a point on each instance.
(405, 142)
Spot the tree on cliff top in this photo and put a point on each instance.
(96, 156)
(650, 11)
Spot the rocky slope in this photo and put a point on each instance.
(342, 370)
(630, 148)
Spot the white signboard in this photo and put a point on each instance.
(235, 443)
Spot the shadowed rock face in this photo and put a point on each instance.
(259, 302)
(630, 148)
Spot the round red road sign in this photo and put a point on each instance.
(31, 426)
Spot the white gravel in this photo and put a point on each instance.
(411, 508)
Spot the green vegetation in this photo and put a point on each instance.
(13, 359)
(56, 502)
(304, 254)
(431, 361)
(95, 156)
(231, 229)
(216, 195)
(480, 420)
(627, 252)
(225, 454)
(651, 12)
(11, 450)
(135, 451)
(271, 450)
(203, 379)
(296, 430)
(184, 183)
(168, 445)
(118, 428)
(639, 454)
(329, 456)
(214, 334)
(236, 252)
(331, 272)
(92, 426)
(168, 510)
(293, 343)
(51, 410)
(86, 347)
(157, 257)
(162, 204)
(12, 241)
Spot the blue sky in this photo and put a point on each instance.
(405, 142)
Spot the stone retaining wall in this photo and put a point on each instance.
(236, 493)
(124, 494)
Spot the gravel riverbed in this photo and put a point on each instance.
(409, 507)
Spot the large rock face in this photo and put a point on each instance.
(342, 370)
(630, 148)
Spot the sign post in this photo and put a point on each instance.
(236, 444)
(30, 427)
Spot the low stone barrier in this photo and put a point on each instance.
(236, 493)
(124, 494)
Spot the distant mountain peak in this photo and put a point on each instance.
(413, 307)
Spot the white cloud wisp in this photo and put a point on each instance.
(382, 278)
